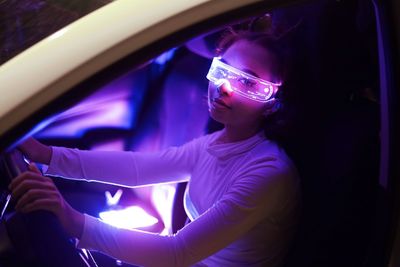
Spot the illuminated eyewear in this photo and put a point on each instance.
(240, 82)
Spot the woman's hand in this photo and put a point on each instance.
(33, 191)
(36, 151)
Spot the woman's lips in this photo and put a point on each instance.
(220, 103)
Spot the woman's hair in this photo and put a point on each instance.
(260, 31)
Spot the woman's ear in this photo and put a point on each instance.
(271, 107)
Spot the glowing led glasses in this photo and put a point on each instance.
(239, 81)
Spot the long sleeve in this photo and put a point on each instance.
(124, 168)
(247, 203)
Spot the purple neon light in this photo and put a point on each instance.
(109, 107)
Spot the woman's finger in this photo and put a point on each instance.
(28, 184)
(41, 204)
(33, 195)
(28, 175)
(32, 167)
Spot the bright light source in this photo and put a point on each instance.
(163, 200)
(129, 218)
(113, 200)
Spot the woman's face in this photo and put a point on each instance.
(230, 108)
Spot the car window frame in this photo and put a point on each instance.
(84, 86)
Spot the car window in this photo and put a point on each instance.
(334, 89)
(24, 23)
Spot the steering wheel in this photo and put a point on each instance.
(36, 238)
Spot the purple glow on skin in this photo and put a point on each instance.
(129, 218)
(225, 85)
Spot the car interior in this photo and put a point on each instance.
(333, 105)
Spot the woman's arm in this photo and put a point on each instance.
(115, 167)
(124, 168)
(246, 203)
(36, 151)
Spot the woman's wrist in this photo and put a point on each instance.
(36, 151)
(73, 222)
(45, 154)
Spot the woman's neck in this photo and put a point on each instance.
(232, 133)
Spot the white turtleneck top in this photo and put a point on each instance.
(243, 200)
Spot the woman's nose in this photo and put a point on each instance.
(224, 88)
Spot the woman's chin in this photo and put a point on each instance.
(217, 116)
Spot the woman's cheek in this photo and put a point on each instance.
(247, 109)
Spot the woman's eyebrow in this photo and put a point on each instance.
(250, 72)
(244, 70)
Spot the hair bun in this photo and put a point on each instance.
(262, 24)
(266, 24)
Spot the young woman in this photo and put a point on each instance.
(243, 194)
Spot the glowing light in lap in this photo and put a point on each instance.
(128, 218)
